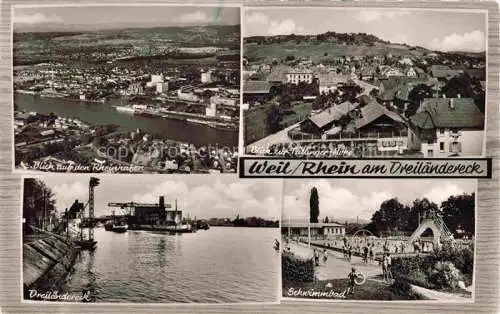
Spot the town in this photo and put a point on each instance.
(386, 101)
(167, 106)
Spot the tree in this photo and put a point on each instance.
(458, 213)
(326, 220)
(313, 206)
(418, 209)
(274, 118)
(38, 202)
(459, 85)
(391, 216)
(415, 96)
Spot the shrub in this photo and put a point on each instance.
(401, 290)
(295, 269)
(445, 275)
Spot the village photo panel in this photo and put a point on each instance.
(126, 88)
(365, 82)
(373, 240)
(150, 239)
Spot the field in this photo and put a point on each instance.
(37, 47)
(321, 52)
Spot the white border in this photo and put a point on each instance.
(472, 299)
(129, 179)
(193, 5)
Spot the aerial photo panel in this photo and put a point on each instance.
(126, 89)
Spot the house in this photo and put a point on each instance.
(443, 72)
(331, 81)
(277, 75)
(297, 75)
(446, 127)
(331, 229)
(256, 91)
(328, 119)
(367, 74)
(411, 72)
(389, 87)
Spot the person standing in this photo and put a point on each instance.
(352, 277)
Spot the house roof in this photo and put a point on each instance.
(332, 78)
(332, 114)
(442, 71)
(256, 87)
(373, 111)
(438, 113)
(300, 70)
(278, 73)
(393, 84)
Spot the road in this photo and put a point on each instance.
(367, 87)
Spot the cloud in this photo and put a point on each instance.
(67, 193)
(440, 193)
(37, 18)
(260, 23)
(368, 16)
(473, 41)
(195, 17)
(219, 199)
(334, 202)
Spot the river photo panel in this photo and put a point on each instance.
(126, 88)
(363, 82)
(390, 240)
(147, 239)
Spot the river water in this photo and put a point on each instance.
(104, 113)
(222, 264)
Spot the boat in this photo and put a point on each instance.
(125, 109)
(203, 225)
(108, 225)
(115, 227)
(119, 228)
(181, 228)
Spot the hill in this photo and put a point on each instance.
(323, 47)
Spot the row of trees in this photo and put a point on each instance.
(458, 213)
(393, 216)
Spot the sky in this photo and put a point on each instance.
(350, 198)
(109, 17)
(203, 196)
(435, 30)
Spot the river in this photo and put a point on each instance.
(104, 113)
(219, 265)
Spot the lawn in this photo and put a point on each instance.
(370, 290)
(256, 119)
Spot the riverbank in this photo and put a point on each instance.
(46, 264)
(95, 114)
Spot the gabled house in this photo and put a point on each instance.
(446, 127)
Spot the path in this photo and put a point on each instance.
(266, 142)
(338, 267)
